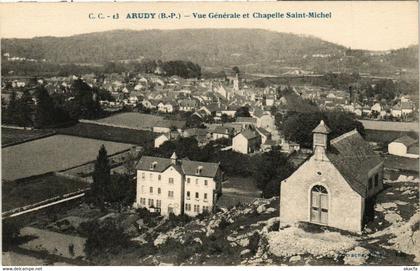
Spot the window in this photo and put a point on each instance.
(205, 196)
(370, 183)
(159, 190)
(376, 179)
(196, 208)
(170, 210)
(142, 189)
(153, 165)
(171, 180)
(196, 195)
(170, 194)
(142, 201)
(205, 209)
(143, 175)
(196, 181)
(151, 190)
(188, 180)
(199, 169)
(319, 204)
(150, 202)
(188, 194)
(159, 177)
(205, 182)
(158, 203)
(187, 207)
(151, 176)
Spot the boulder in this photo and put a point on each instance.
(160, 240)
(358, 256)
(198, 240)
(261, 209)
(270, 210)
(295, 259)
(245, 251)
(244, 242)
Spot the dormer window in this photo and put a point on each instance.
(153, 165)
(199, 170)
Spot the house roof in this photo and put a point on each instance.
(225, 130)
(406, 140)
(249, 134)
(263, 132)
(246, 119)
(184, 166)
(354, 158)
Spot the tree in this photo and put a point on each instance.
(12, 109)
(298, 127)
(271, 168)
(45, 109)
(101, 178)
(236, 70)
(24, 110)
(242, 111)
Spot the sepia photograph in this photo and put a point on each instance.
(210, 134)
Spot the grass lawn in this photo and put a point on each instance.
(401, 163)
(14, 136)
(15, 194)
(132, 120)
(238, 190)
(51, 154)
(108, 133)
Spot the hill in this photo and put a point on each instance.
(253, 50)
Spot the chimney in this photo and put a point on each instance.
(174, 158)
(320, 140)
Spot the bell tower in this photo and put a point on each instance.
(320, 140)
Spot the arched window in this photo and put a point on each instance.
(319, 204)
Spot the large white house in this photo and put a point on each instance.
(178, 186)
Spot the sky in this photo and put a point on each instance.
(370, 25)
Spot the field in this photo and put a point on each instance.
(401, 163)
(390, 125)
(108, 133)
(19, 194)
(383, 137)
(15, 136)
(238, 190)
(132, 120)
(51, 154)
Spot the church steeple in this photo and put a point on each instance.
(320, 140)
(174, 158)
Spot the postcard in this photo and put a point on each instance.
(210, 134)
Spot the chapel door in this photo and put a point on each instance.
(319, 205)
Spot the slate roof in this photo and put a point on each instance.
(354, 158)
(249, 134)
(246, 119)
(263, 132)
(224, 130)
(406, 140)
(184, 166)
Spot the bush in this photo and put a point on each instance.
(253, 242)
(10, 234)
(108, 237)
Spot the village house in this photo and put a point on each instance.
(264, 119)
(178, 186)
(336, 186)
(404, 146)
(188, 105)
(248, 141)
(223, 132)
(396, 111)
